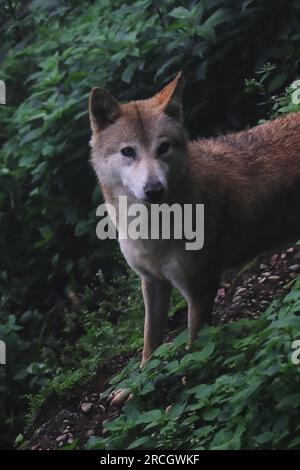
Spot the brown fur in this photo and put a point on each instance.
(249, 183)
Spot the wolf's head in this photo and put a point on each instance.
(139, 147)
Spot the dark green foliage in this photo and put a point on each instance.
(237, 389)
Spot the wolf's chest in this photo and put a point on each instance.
(163, 259)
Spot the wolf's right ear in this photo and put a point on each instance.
(103, 109)
(170, 97)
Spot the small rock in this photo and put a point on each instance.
(294, 267)
(101, 408)
(61, 438)
(221, 293)
(273, 259)
(266, 274)
(240, 290)
(236, 299)
(119, 397)
(86, 407)
(290, 250)
(89, 433)
(274, 278)
(130, 397)
(283, 256)
(263, 266)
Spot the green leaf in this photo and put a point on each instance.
(128, 72)
(180, 13)
(210, 414)
(149, 417)
(277, 82)
(140, 442)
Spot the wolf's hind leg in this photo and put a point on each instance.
(200, 306)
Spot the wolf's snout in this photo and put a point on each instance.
(154, 191)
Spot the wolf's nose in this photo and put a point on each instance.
(154, 191)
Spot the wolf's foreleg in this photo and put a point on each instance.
(156, 295)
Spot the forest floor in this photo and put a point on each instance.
(81, 412)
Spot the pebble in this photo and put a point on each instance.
(240, 290)
(86, 407)
(266, 274)
(221, 293)
(102, 408)
(294, 267)
(61, 438)
(274, 278)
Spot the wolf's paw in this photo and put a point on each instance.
(120, 397)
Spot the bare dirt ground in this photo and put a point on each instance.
(242, 294)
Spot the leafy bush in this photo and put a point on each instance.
(93, 334)
(47, 196)
(237, 389)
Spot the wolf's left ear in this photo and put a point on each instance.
(103, 108)
(170, 97)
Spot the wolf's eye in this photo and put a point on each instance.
(128, 152)
(163, 148)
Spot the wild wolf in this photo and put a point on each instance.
(249, 183)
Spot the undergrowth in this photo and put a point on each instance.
(237, 388)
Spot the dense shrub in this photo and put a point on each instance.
(237, 389)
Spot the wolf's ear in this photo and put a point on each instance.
(170, 97)
(103, 108)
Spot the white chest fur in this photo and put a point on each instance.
(163, 259)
